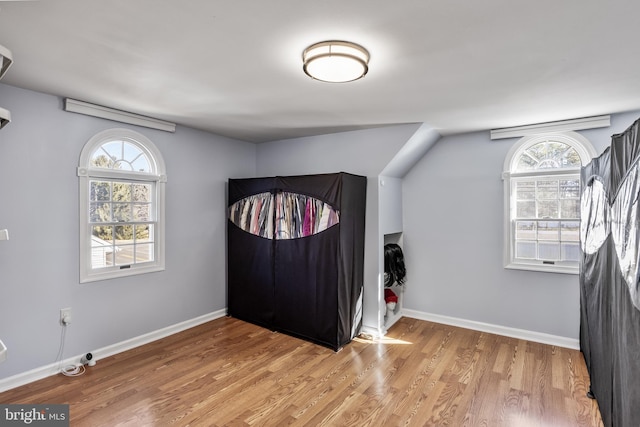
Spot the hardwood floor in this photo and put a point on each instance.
(231, 373)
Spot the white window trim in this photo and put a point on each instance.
(585, 151)
(85, 173)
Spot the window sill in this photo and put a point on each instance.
(544, 268)
(116, 273)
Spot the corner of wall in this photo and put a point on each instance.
(412, 151)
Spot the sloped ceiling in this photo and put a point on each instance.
(234, 67)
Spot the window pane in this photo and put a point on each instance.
(571, 159)
(526, 209)
(122, 165)
(112, 149)
(102, 257)
(570, 208)
(537, 152)
(570, 252)
(109, 258)
(554, 151)
(101, 160)
(141, 164)
(570, 189)
(525, 190)
(143, 233)
(526, 163)
(526, 250)
(122, 212)
(152, 234)
(130, 152)
(121, 192)
(548, 230)
(545, 153)
(101, 246)
(100, 191)
(548, 209)
(547, 189)
(101, 235)
(570, 231)
(124, 247)
(142, 212)
(124, 255)
(525, 230)
(141, 192)
(123, 233)
(144, 253)
(549, 251)
(100, 212)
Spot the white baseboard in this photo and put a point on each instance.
(496, 329)
(101, 353)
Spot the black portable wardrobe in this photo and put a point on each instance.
(609, 278)
(295, 254)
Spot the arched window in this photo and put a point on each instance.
(122, 179)
(542, 201)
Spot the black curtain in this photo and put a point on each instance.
(609, 300)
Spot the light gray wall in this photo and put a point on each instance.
(39, 271)
(453, 240)
(365, 152)
(390, 204)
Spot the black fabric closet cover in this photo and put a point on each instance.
(311, 286)
(609, 297)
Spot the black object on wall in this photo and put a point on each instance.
(609, 279)
(296, 254)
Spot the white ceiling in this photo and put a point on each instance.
(233, 67)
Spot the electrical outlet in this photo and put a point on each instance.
(65, 316)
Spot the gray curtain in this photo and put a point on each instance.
(609, 287)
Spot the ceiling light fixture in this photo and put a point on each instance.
(335, 61)
(5, 60)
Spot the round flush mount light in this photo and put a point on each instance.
(335, 61)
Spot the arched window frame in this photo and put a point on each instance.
(511, 175)
(156, 178)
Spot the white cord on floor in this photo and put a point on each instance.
(73, 370)
(69, 370)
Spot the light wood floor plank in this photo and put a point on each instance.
(231, 373)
